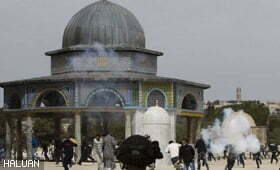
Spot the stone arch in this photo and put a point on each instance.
(189, 102)
(105, 97)
(156, 95)
(14, 102)
(50, 98)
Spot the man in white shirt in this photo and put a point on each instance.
(173, 150)
(98, 151)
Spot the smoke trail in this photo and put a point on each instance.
(88, 59)
(234, 130)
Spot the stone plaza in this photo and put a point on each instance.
(219, 165)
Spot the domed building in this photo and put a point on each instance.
(99, 78)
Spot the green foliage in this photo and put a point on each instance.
(43, 129)
(274, 131)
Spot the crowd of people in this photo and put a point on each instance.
(140, 152)
(186, 156)
(105, 151)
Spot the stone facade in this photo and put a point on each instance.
(130, 92)
(99, 79)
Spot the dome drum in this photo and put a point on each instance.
(104, 61)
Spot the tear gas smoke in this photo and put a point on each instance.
(89, 57)
(234, 130)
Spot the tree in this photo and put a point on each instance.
(274, 130)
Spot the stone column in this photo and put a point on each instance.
(84, 127)
(8, 140)
(128, 125)
(78, 133)
(57, 126)
(29, 132)
(194, 129)
(198, 129)
(188, 122)
(173, 125)
(19, 139)
(191, 121)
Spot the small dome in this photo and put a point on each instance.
(104, 23)
(156, 115)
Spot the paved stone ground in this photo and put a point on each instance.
(219, 165)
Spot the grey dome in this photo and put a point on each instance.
(104, 23)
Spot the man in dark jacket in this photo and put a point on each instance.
(274, 153)
(68, 151)
(231, 157)
(86, 152)
(58, 150)
(201, 151)
(186, 154)
(258, 159)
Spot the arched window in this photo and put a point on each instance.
(189, 102)
(14, 102)
(105, 98)
(156, 98)
(51, 99)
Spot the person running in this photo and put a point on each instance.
(173, 150)
(98, 151)
(240, 159)
(231, 157)
(136, 152)
(108, 153)
(68, 151)
(275, 153)
(262, 150)
(157, 153)
(35, 145)
(201, 150)
(58, 147)
(186, 155)
(258, 160)
(225, 152)
(86, 152)
(210, 154)
(152, 166)
(45, 151)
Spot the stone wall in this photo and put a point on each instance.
(261, 133)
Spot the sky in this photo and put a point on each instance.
(223, 43)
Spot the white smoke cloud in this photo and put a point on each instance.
(88, 58)
(235, 130)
